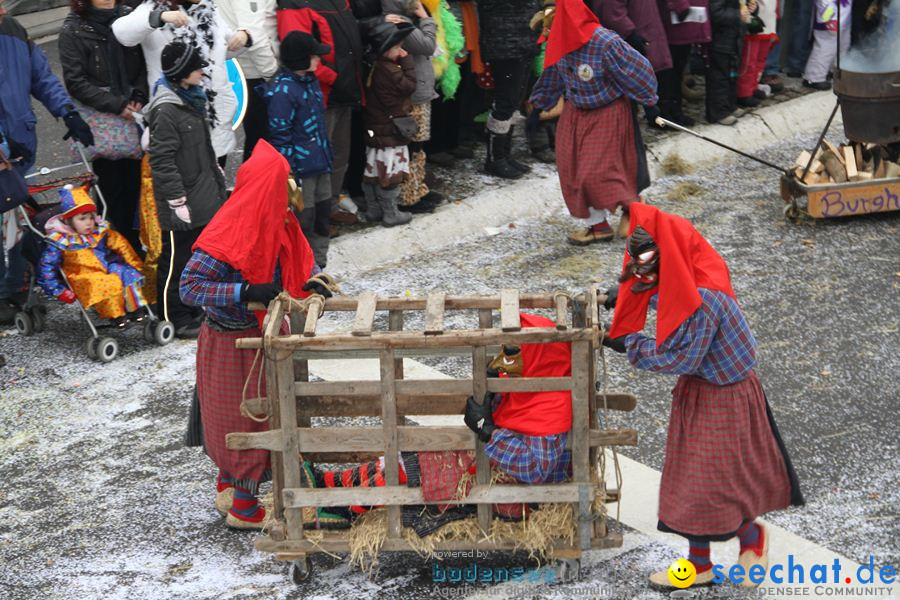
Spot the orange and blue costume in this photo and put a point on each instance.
(102, 268)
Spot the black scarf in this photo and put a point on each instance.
(101, 20)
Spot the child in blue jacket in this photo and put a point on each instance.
(297, 130)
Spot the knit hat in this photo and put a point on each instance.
(297, 47)
(75, 201)
(180, 60)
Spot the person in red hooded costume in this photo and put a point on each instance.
(251, 250)
(725, 461)
(599, 152)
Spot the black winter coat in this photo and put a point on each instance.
(84, 55)
(348, 47)
(503, 25)
(727, 29)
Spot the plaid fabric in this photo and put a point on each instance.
(530, 458)
(597, 158)
(221, 372)
(601, 71)
(714, 343)
(723, 464)
(213, 284)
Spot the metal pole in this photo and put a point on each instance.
(666, 123)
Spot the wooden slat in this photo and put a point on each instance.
(410, 438)
(413, 340)
(348, 303)
(313, 313)
(850, 163)
(365, 314)
(431, 387)
(434, 313)
(581, 356)
(562, 312)
(479, 388)
(337, 542)
(389, 435)
(401, 495)
(275, 428)
(509, 310)
(395, 323)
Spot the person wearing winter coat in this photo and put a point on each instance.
(155, 23)
(297, 130)
(26, 74)
(259, 62)
(509, 45)
(105, 76)
(637, 22)
(728, 19)
(389, 88)
(680, 36)
(755, 51)
(101, 267)
(825, 33)
(187, 181)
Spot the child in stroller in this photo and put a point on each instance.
(101, 267)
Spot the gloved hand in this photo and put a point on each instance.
(479, 417)
(18, 151)
(78, 129)
(67, 296)
(638, 42)
(180, 207)
(612, 294)
(616, 344)
(321, 283)
(683, 15)
(533, 122)
(259, 292)
(651, 113)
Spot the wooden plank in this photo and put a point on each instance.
(395, 323)
(431, 387)
(434, 313)
(509, 310)
(581, 356)
(479, 388)
(834, 166)
(854, 199)
(802, 160)
(850, 163)
(410, 438)
(411, 340)
(313, 312)
(337, 542)
(287, 402)
(365, 314)
(390, 437)
(834, 149)
(276, 458)
(562, 312)
(348, 303)
(857, 155)
(401, 495)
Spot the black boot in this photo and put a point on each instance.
(519, 165)
(497, 160)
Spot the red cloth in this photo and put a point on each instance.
(754, 54)
(539, 413)
(686, 262)
(573, 26)
(596, 157)
(255, 228)
(723, 464)
(309, 21)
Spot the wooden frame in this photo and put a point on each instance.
(292, 398)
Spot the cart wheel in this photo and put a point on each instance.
(90, 347)
(24, 323)
(40, 321)
(107, 349)
(568, 570)
(791, 212)
(301, 570)
(148, 331)
(163, 333)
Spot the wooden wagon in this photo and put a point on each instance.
(293, 399)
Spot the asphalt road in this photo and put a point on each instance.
(100, 498)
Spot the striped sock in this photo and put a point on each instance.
(245, 506)
(749, 536)
(223, 481)
(369, 474)
(699, 555)
(601, 227)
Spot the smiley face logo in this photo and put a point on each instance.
(682, 573)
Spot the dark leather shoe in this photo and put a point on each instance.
(818, 85)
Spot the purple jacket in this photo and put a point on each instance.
(629, 16)
(684, 33)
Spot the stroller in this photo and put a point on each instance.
(33, 316)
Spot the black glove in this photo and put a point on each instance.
(18, 151)
(611, 295)
(651, 113)
(616, 344)
(259, 292)
(683, 15)
(638, 42)
(480, 417)
(316, 286)
(533, 122)
(78, 129)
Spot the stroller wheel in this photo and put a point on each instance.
(24, 323)
(90, 346)
(107, 349)
(163, 333)
(40, 321)
(149, 332)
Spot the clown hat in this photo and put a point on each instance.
(75, 201)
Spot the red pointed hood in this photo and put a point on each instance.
(573, 26)
(686, 262)
(255, 230)
(539, 413)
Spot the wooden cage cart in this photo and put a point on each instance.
(292, 400)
